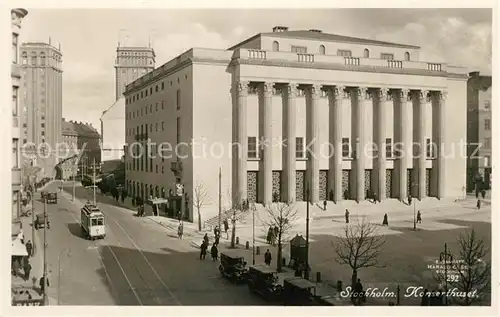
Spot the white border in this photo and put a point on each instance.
(5, 141)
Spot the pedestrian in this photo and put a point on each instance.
(216, 242)
(20, 236)
(478, 204)
(270, 235)
(267, 257)
(409, 200)
(375, 198)
(385, 222)
(180, 230)
(42, 284)
(359, 293)
(205, 239)
(15, 267)
(27, 270)
(29, 248)
(331, 195)
(203, 250)
(216, 231)
(226, 228)
(483, 193)
(419, 217)
(324, 204)
(214, 252)
(346, 216)
(346, 195)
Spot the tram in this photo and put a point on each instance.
(92, 222)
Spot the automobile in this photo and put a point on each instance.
(233, 267)
(263, 280)
(40, 221)
(298, 291)
(51, 198)
(43, 194)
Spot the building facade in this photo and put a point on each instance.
(68, 167)
(479, 138)
(88, 141)
(289, 112)
(42, 99)
(17, 16)
(131, 63)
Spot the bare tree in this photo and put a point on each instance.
(468, 272)
(282, 216)
(236, 204)
(201, 199)
(359, 246)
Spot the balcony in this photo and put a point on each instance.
(16, 177)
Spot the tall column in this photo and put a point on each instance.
(403, 143)
(242, 93)
(267, 150)
(291, 134)
(313, 149)
(361, 98)
(384, 101)
(336, 96)
(441, 143)
(422, 153)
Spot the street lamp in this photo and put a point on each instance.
(253, 232)
(414, 186)
(445, 256)
(306, 273)
(68, 250)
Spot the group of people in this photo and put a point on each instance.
(272, 235)
(214, 252)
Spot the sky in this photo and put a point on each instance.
(89, 38)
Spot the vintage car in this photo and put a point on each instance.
(40, 221)
(233, 267)
(43, 194)
(298, 291)
(263, 280)
(51, 198)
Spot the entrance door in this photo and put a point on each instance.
(299, 185)
(323, 185)
(252, 183)
(388, 183)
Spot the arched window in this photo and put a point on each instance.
(24, 58)
(366, 53)
(322, 50)
(407, 56)
(33, 59)
(157, 192)
(42, 59)
(276, 46)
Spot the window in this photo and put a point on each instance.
(156, 126)
(157, 106)
(387, 56)
(24, 58)
(43, 133)
(162, 106)
(15, 101)
(33, 59)
(151, 108)
(156, 168)
(42, 59)
(366, 53)
(407, 56)
(15, 153)
(156, 88)
(146, 109)
(163, 169)
(43, 125)
(428, 148)
(151, 90)
(344, 53)
(299, 49)
(487, 104)
(15, 38)
(487, 143)
(178, 130)
(487, 124)
(162, 85)
(252, 147)
(346, 147)
(299, 148)
(163, 126)
(487, 160)
(276, 46)
(388, 148)
(100, 221)
(322, 50)
(178, 99)
(94, 222)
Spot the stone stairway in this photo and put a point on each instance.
(214, 221)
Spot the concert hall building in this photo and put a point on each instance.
(307, 109)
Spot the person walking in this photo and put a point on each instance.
(217, 238)
(267, 257)
(205, 239)
(29, 248)
(419, 217)
(385, 222)
(346, 216)
(180, 230)
(409, 200)
(214, 252)
(27, 270)
(42, 284)
(226, 228)
(358, 289)
(483, 194)
(324, 205)
(269, 239)
(478, 204)
(203, 250)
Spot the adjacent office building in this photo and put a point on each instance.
(42, 100)
(286, 112)
(479, 138)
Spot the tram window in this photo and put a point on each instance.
(100, 221)
(94, 222)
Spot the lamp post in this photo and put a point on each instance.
(306, 272)
(59, 273)
(445, 256)
(45, 251)
(414, 186)
(253, 232)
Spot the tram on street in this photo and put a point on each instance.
(92, 222)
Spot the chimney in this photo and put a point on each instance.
(315, 30)
(280, 29)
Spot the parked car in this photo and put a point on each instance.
(40, 221)
(263, 280)
(233, 267)
(298, 291)
(51, 198)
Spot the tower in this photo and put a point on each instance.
(131, 63)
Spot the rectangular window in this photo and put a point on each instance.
(162, 85)
(156, 126)
(487, 143)
(162, 105)
(150, 165)
(388, 148)
(487, 124)
(43, 132)
(156, 168)
(33, 60)
(428, 148)
(178, 130)
(163, 126)
(157, 106)
(15, 153)
(346, 148)
(43, 125)
(299, 49)
(100, 221)
(299, 148)
(15, 101)
(252, 147)
(156, 88)
(387, 56)
(15, 38)
(344, 53)
(178, 99)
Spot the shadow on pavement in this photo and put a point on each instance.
(76, 230)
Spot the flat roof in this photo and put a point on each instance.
(263, 268)
(300, 282)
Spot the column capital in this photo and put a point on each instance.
(268, 88)
(384, 94)
(424, 95)
(292, 90)
(315, 89)
(405, 94)
(339, 92)
(443, 95)
(363, 93)
(242, 87)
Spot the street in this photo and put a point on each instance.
(137, 263)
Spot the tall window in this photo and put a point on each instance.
(24, 58)
(487, 104)
(299, 49)
(15, 37)
(252, 147)
(407, 56)
(276, 46)
(487, 143)
(429, 148)
(178, 99)
(15, 101)
(346, 147)
(42, 59)
(366, 53)
(322, 50)
(162, 85)
(345, 53)
(487, 124)
(299, 148)
(388, 148)
(178, 130)
(33, 59)
(15, 153)
(387, 56)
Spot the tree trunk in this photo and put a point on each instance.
(280, 254)
(199, 219)
(233, 236)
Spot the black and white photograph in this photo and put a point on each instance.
(250, 156)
